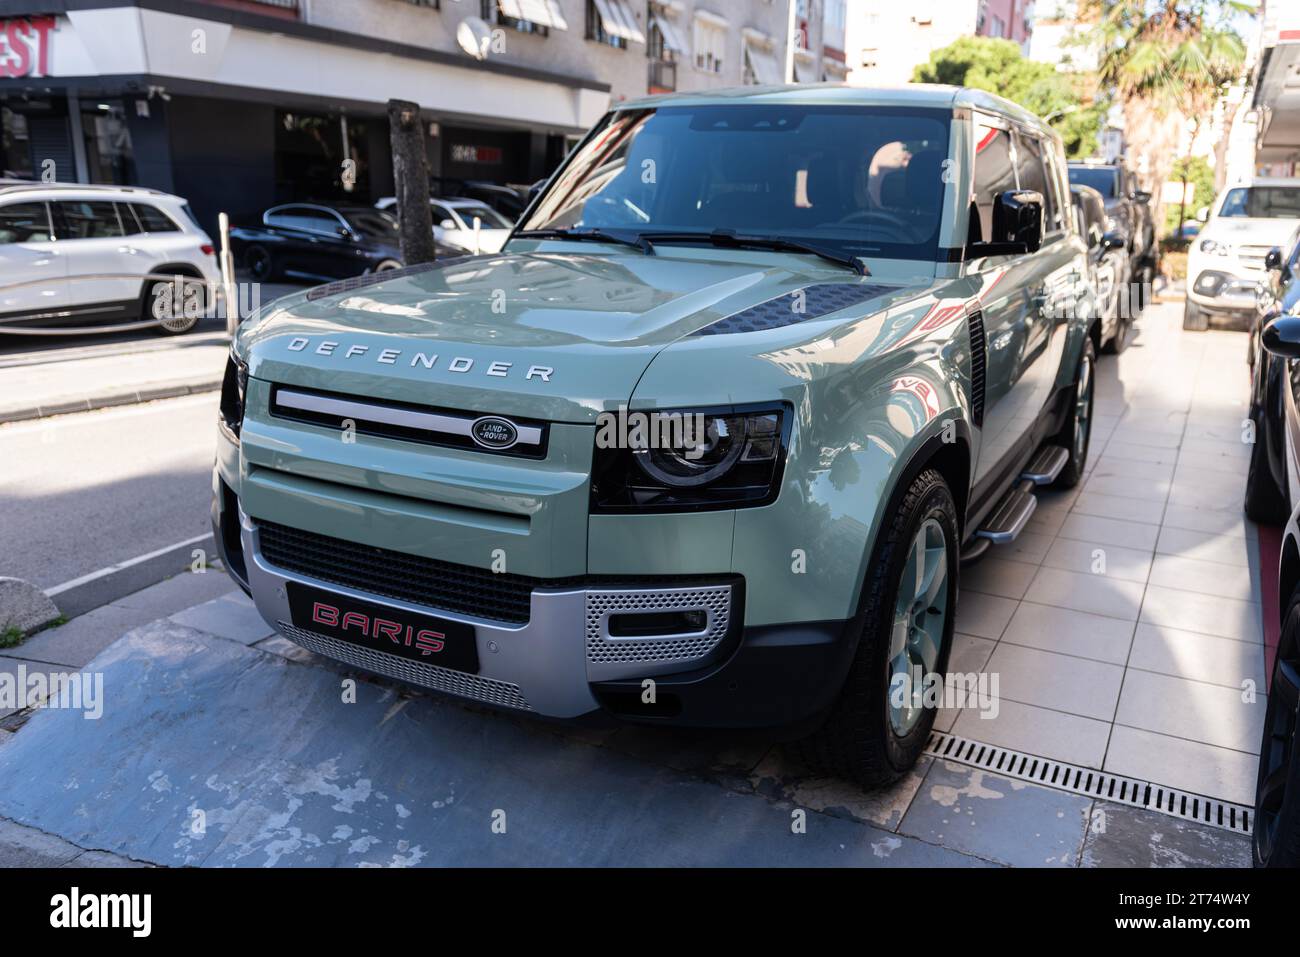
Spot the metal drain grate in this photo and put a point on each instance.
(1091, 782)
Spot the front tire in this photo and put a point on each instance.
(1266, 502)
(875, 732)
(158, 305)
(1195, 319)
(1076, 433)
(1276, 838)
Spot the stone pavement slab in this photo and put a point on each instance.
(211, 753)
(1123, 836)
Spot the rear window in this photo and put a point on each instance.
(154, 220)
(88, 220)
(1262, 202)
(1104, 180)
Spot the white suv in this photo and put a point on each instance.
(1225, 264)
(75, 254)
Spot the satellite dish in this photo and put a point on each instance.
(474, 37)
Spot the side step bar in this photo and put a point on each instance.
(1005, 523)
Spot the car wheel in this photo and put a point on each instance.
(1195, 319)
(388, 265)
(1076, 432)
(1266, 502)
(159, 305)
(1276, 839)
(258, 262)
(876, 731)
(1119, 341)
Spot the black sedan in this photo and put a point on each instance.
(1108, 268)
(1274, 474)
(319, 242)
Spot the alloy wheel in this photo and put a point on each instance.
(1277, 752)
(920, 618)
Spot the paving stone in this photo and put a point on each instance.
(16, 667)
(22, 846)
(1121, 836)
(76, 643)
(781, 777)
(288, 774)
(103, 859)
(996, 818)
(178, 593)
(231, 616)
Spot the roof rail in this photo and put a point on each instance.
(13, 186)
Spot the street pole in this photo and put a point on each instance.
(789, 41)
(411, 176)
(227, 263)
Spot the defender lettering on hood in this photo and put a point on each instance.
(499, 368)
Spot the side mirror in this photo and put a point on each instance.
(1203, 214)
(1273, 261)
(1282, 337)
(1141, 196)
(448, 224)
(344, 233)
(1017, 225)
(1113, 241)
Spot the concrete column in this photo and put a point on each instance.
(78, 138)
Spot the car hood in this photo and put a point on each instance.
(1243, 230)
(560, 336)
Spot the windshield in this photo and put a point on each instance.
(866, 181)
(488, 217)
(374, 225)
(1262, 202)
(1100, 178)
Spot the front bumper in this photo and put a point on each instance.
(1219, 288)
(564, 663)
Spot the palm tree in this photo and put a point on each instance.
(1165, 60)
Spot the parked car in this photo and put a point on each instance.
(1276, 839)
(1128, 212)
(1108, 267)
(453, 223)
(867, 307)
(509, 201)
(102, 257)
(1225, 264)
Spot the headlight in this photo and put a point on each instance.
(234, 386)
(689, 459)
(1214, 247)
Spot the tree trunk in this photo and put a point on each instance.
(411, 174)
(1150, 133)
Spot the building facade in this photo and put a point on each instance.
(241, 104)
(887, 41)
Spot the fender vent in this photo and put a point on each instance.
(370, 279)
(1090, 782)
(978, 362)
(810, 302)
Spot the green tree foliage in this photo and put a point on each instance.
(1197, 171)
(999, 67)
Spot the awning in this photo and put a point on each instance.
(619, 21)
(668, 30)
(544, 13)
(766, 70)
(712, 19)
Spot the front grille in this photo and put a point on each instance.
(381, 571)
(487, 690)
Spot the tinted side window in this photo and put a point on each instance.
(86, 220)
(308, 220)
(24, 223)
(1033, 175)
(154, 220)
(994, 174)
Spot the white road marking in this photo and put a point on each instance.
(101, 573)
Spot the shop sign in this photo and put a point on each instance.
(464, 153)
(25, 46)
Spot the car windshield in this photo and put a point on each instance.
(864, 181)
(374, 225)
(1100, 178)
(488, 217)
(1262, 202)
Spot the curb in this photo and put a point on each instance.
(104, 400)
(24, 606)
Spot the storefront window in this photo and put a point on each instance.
(310, 157)
(110, 158)
(15, 148)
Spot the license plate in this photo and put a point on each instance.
(434, 641)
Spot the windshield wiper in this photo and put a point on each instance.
(590, 236)
(730, 239)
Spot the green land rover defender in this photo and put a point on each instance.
(705, 444)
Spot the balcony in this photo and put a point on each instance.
(663, 76)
